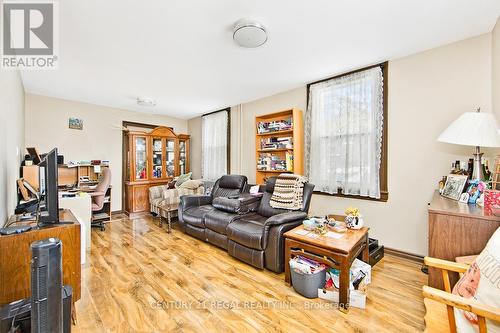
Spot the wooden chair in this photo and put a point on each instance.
(439, 304)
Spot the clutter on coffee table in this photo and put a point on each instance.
(334, 250)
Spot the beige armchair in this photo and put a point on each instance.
(164, 202)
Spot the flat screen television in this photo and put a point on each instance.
(49, 200)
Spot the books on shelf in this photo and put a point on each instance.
(289, 161)
(270, 162)
(274, 126)
(276, 143)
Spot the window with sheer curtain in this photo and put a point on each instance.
(215, 129)
(345, 148)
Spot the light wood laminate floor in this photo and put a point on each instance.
(139, 278)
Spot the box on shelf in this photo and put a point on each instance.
(491, 198)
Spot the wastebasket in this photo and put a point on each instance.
(307, 284)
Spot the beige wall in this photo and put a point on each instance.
(12, 139)
(496, 69)
(194, 128)
(101, 137)
(427, 91)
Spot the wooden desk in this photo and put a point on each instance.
(15, 257)
(456, 230)
(336, 253)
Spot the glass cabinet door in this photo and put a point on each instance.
(170, 158)
(140, 158)
(182, 157)
(157, 158)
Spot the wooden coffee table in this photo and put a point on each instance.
(335, 253)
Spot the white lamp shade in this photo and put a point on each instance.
(473, 129)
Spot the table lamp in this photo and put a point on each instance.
(478, 129)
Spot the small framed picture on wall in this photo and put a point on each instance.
(75, 123)
(454, 186)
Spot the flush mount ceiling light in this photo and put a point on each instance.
(249, 33)
(145, 101)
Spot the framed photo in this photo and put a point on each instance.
(75, 123)
(464, 198)
(454, 186)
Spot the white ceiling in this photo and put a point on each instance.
(181, 52)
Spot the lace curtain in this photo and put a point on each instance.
(214, 145)
(344, 121)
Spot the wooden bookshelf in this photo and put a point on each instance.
(274, 154)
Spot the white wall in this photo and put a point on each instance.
(101, 137)
(12, 139)
(496, 69)
(427, 91)
(194, 128)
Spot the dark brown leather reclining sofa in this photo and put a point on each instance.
(248, 228)
(193, 208)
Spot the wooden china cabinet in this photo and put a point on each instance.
(151, 159)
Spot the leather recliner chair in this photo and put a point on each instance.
(194, 208)
(257, 238)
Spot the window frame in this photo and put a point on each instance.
(383, 172)
(228, 139)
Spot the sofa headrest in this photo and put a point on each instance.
(232, 181)
(271, 181)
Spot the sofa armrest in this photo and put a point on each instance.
(156, 192)
(188, 201)
(275, 249)
(285, 218)
(243, 204)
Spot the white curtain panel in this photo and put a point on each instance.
(344, 121)
(214, 145)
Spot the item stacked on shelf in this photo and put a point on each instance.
(276, 143)
(274, 126)
(271, 162)
(305, 265)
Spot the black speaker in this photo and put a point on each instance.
(18, 314)
(46, 286)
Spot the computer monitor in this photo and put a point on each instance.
(49, 200)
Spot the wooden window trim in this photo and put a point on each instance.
(384, 191)
(228, 140)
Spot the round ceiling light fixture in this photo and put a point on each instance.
(145, 101)
(249, 33)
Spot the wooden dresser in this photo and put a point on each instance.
(455, 230)
(15, 258)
